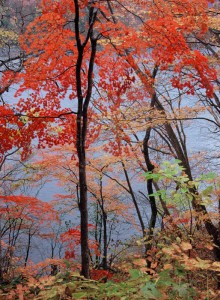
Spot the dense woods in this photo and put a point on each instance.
(109, 125)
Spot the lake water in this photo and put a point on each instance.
(198, 139)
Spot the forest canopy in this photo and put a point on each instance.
(109, 125)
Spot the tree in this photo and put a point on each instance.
(60, 12)
(21, 217)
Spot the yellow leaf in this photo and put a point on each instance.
(139, 262)
(167, 266)
(216, 265)
(186, 246)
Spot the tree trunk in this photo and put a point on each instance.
(82, 125)
(28, 248)
(150, 191)
(105, 244)
(84, 217)
(141, 221)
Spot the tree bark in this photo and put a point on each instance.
(82, 127)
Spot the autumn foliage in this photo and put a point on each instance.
(104, 101)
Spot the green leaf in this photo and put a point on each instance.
(79, 295)
(165, 279)
(207, 191)
(51, 294)
(184, 190)
(177, 161)
(151, 291)
(135, 273)
(154, 176)
(183, 290)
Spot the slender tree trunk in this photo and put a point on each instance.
(1, 254)
(153, 205)
(84, 216)
(150, 168)
(54, 268)
(104, 222)
(105, 244)
(141, 221)
(150, 191)
(28, 248)
(82, 125)
(98, 233)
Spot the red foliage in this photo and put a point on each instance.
(100, 274)
(71, 239)
(26, 208)
(51, 66)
